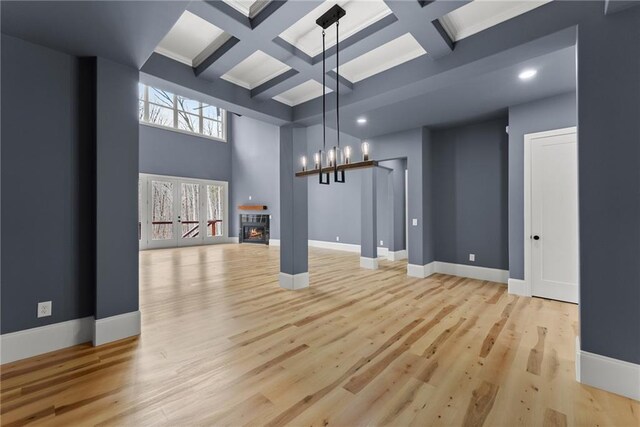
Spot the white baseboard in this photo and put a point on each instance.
(397, 255)
(116, 327)
(519, 287)
(613, 375)
(472, 271)
(233, 239)
(274, 242)
(294, 281)
(337, 246)
(32, 342)
(370, 263)
(348, 247)
(421, 271)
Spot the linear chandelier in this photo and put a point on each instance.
(337, 159)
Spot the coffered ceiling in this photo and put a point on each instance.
(273, 48)
(261, 58)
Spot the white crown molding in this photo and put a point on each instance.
(369, 263)
(519, 287)
(456, 33)
(613, 375)
(215, 45)
(294, 282)
(117, 327)
(174, 56)
(44, 339)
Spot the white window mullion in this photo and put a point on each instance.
(146, 103)
(175, 111)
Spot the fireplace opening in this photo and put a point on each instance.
(254, 229)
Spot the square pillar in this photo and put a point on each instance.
(294, 266)
(368, 223)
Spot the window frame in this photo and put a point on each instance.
(176, 113)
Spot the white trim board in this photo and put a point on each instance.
(472, 271)
(397, 255)
(337, 246)
(613, 375)
(44, 339)
(294, 282)
(349, 247)
(421, 271)
(462, 270)
(519, 287)
(117, 327)
(369, 263)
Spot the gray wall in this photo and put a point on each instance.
(550, 113)
(470, 167)
(609, 184)
(249, 161)
(116, 189)
(47, 235)
(324, 223)
(415, 146)
(165, 152)
(255, 166)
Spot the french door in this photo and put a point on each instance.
(181, 211)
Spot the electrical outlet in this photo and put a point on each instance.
(44, 309)
(414, 221)
(381, 243)
(337, 238)
(472, 257)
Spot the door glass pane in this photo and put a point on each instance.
(215, 213)
(189, 209)
(161, 210)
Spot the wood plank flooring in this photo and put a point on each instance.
(222, 344)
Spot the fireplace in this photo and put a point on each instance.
(254, 229)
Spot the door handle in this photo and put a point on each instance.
(535, 237)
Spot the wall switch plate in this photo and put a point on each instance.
(337, 238)
(414, 221)
(381, 243)
(249, 197)
(472, 257)
(44, 309)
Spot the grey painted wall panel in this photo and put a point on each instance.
(255, 165)
(293, 202)
(116, 189)
(384, 206)
(609, 184)
(369, 220)
(551, 113)
(324, 223)
(165, 152)
(45, 247)
(470, 167)
(412, 145)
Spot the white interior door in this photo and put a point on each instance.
(553, 225)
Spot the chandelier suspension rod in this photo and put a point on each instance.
(338, 84)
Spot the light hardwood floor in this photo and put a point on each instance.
(222, 344)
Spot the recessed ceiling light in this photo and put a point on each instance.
(527, 74)
(362, 120)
